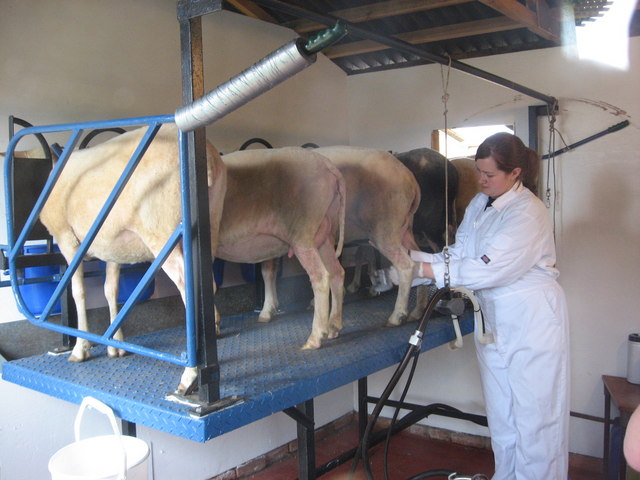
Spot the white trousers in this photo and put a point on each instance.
(525, 378)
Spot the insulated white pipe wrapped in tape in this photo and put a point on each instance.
(254, 81)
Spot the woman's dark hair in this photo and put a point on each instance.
(509, 153)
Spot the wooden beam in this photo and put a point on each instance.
(435, 140)
(542, 21)
(375, 11)
(435, 34)
(451, 133)
(250, 9)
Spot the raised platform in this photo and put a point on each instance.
(262, 363)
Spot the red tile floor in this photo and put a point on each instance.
(409, 455)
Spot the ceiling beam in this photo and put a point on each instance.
(250, 9)
(394, 43)
(540, 19)
(374, 11)
(436, 34)
(535, 15)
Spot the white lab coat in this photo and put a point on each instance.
(506, 254)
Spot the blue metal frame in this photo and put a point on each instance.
(262, 364)
(15, 248)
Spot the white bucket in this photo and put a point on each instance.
(105, 457)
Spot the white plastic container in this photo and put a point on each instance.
(105, 457)
(633, 358)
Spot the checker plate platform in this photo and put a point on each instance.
(260, 362)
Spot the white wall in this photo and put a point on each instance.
(596, 207)
(76, 60)
(119, 59)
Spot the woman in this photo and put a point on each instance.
(505, 252)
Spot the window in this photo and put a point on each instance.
(463, 142)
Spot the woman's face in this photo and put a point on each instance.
(494, 182)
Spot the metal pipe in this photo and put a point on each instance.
(405, 47)
(611, 129)
(257, 79)
(262, 76)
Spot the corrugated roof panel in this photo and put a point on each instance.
(476, 28)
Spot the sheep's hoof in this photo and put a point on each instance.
(79, 358)
(188, 382)
(396, 320)
(113, 352)
(185, 390)
(334, 332)
(80, 352)
(311, 345)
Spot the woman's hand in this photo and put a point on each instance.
(416, 272)
(423, 264)
(426, 271)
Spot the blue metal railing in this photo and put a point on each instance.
(187, 358)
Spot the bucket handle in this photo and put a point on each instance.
(91, 402)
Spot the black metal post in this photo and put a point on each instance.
(304, 417)
(607, 431)
(533, 114)
(306, 443)
(192, 89)
(68, 315)
(129, 428)
(363, 410)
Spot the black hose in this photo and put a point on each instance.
(395, 415)
(413, 349)
(261, 141)
(611, 129)
(432, 473)
(97, 131)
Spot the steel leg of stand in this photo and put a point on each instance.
(363, 410)
(607, 431)
(128, 428)
(304, 416)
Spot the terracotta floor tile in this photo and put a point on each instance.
(409, 455)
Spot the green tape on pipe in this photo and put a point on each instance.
(326, 38)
